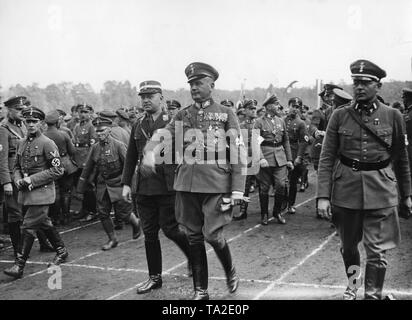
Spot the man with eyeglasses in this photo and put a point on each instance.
(299, 140)
(246, 126)
(84, 138)
(277, 158)
(35, 169)
(363, 164)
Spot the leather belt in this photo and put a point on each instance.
(357, 165)
(82, 145)
(271, 144)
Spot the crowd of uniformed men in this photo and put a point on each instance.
(108, 160)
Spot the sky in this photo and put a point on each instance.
(251, 42)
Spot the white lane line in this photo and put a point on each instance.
(62, 232)
(168, 271)
(291, 270)
(75, 260)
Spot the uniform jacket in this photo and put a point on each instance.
(66, 148)
(408, 122)
(254, 152)
(298, 136)
(273, 129)
(206, 166)
(107, 159)
(318, 122)
(120, 134)
(38, 158)
(364, 190)
(155, 184)
(84, 138)
(10, 134)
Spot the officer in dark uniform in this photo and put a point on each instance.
(298, 140)
(36, 168)
(60, 210)
(320, 119)
(407, 102)
(116, 132)
(277, 158)
(360, 175)
(246, 127)
(107, 158)
(210, 177)
(173, 107)
(75, 118)
(304, 181)
(155, 195)
(84, 138)
(61, 125)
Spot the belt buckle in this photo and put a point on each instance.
(355, 165)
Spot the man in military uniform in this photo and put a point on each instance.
(173, 107)
(230, 104)
(320, 119)
(210, 177)
(75, 119)
(277, 158)
(363, 163)
(407, 102)
(155, 195)
(106, 159)
(36, 168)
(61, 125)
(304, 180)
(84, 138)
(246, 127)
(12, 130)
(123, 120)
(298, 140)
(116, 132)
(60, 210)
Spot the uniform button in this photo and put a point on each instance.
(364, 150)
(365, 141)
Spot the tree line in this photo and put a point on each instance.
(115, 94)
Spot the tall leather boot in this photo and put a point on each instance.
(45, 245)
(65, 209)
(277, 208)
(374, 278)
(200, 271)
(109, 229)
(264, 208)
(154, 264)
(181, 241)
(351, 259)
(58, 245)
(225, 258)
(15, 236)
(243, 212)
(16, 271)
(135, 222)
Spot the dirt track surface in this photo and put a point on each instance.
(299, 260)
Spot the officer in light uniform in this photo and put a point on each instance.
(36, 168)
(211, 176)
(359, 178)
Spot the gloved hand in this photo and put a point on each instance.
(236, 198)
(8, 189)
(263, 163)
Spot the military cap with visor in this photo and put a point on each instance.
(121, 113)
(173, 104)
(249, 103)
(366, 70)
(295, 102)
(33, 113)
(199, 70)
(84, 107)
(227, 103)
(328, 89)
(52, 117)
(16, 102)
(100, 121)
(272, 99)
(150, 87)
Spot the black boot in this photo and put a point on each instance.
(58, 245)
(45, 245)
(108, 228)
(374, 278)
(154, 263)
(277, 208)
(225, 258)
(200, 271)
(65, 206)
(15, 236)
(351, 261)
(135, 222)
(243, 211)
(264, 208)
(16, 271)
(181, 241)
